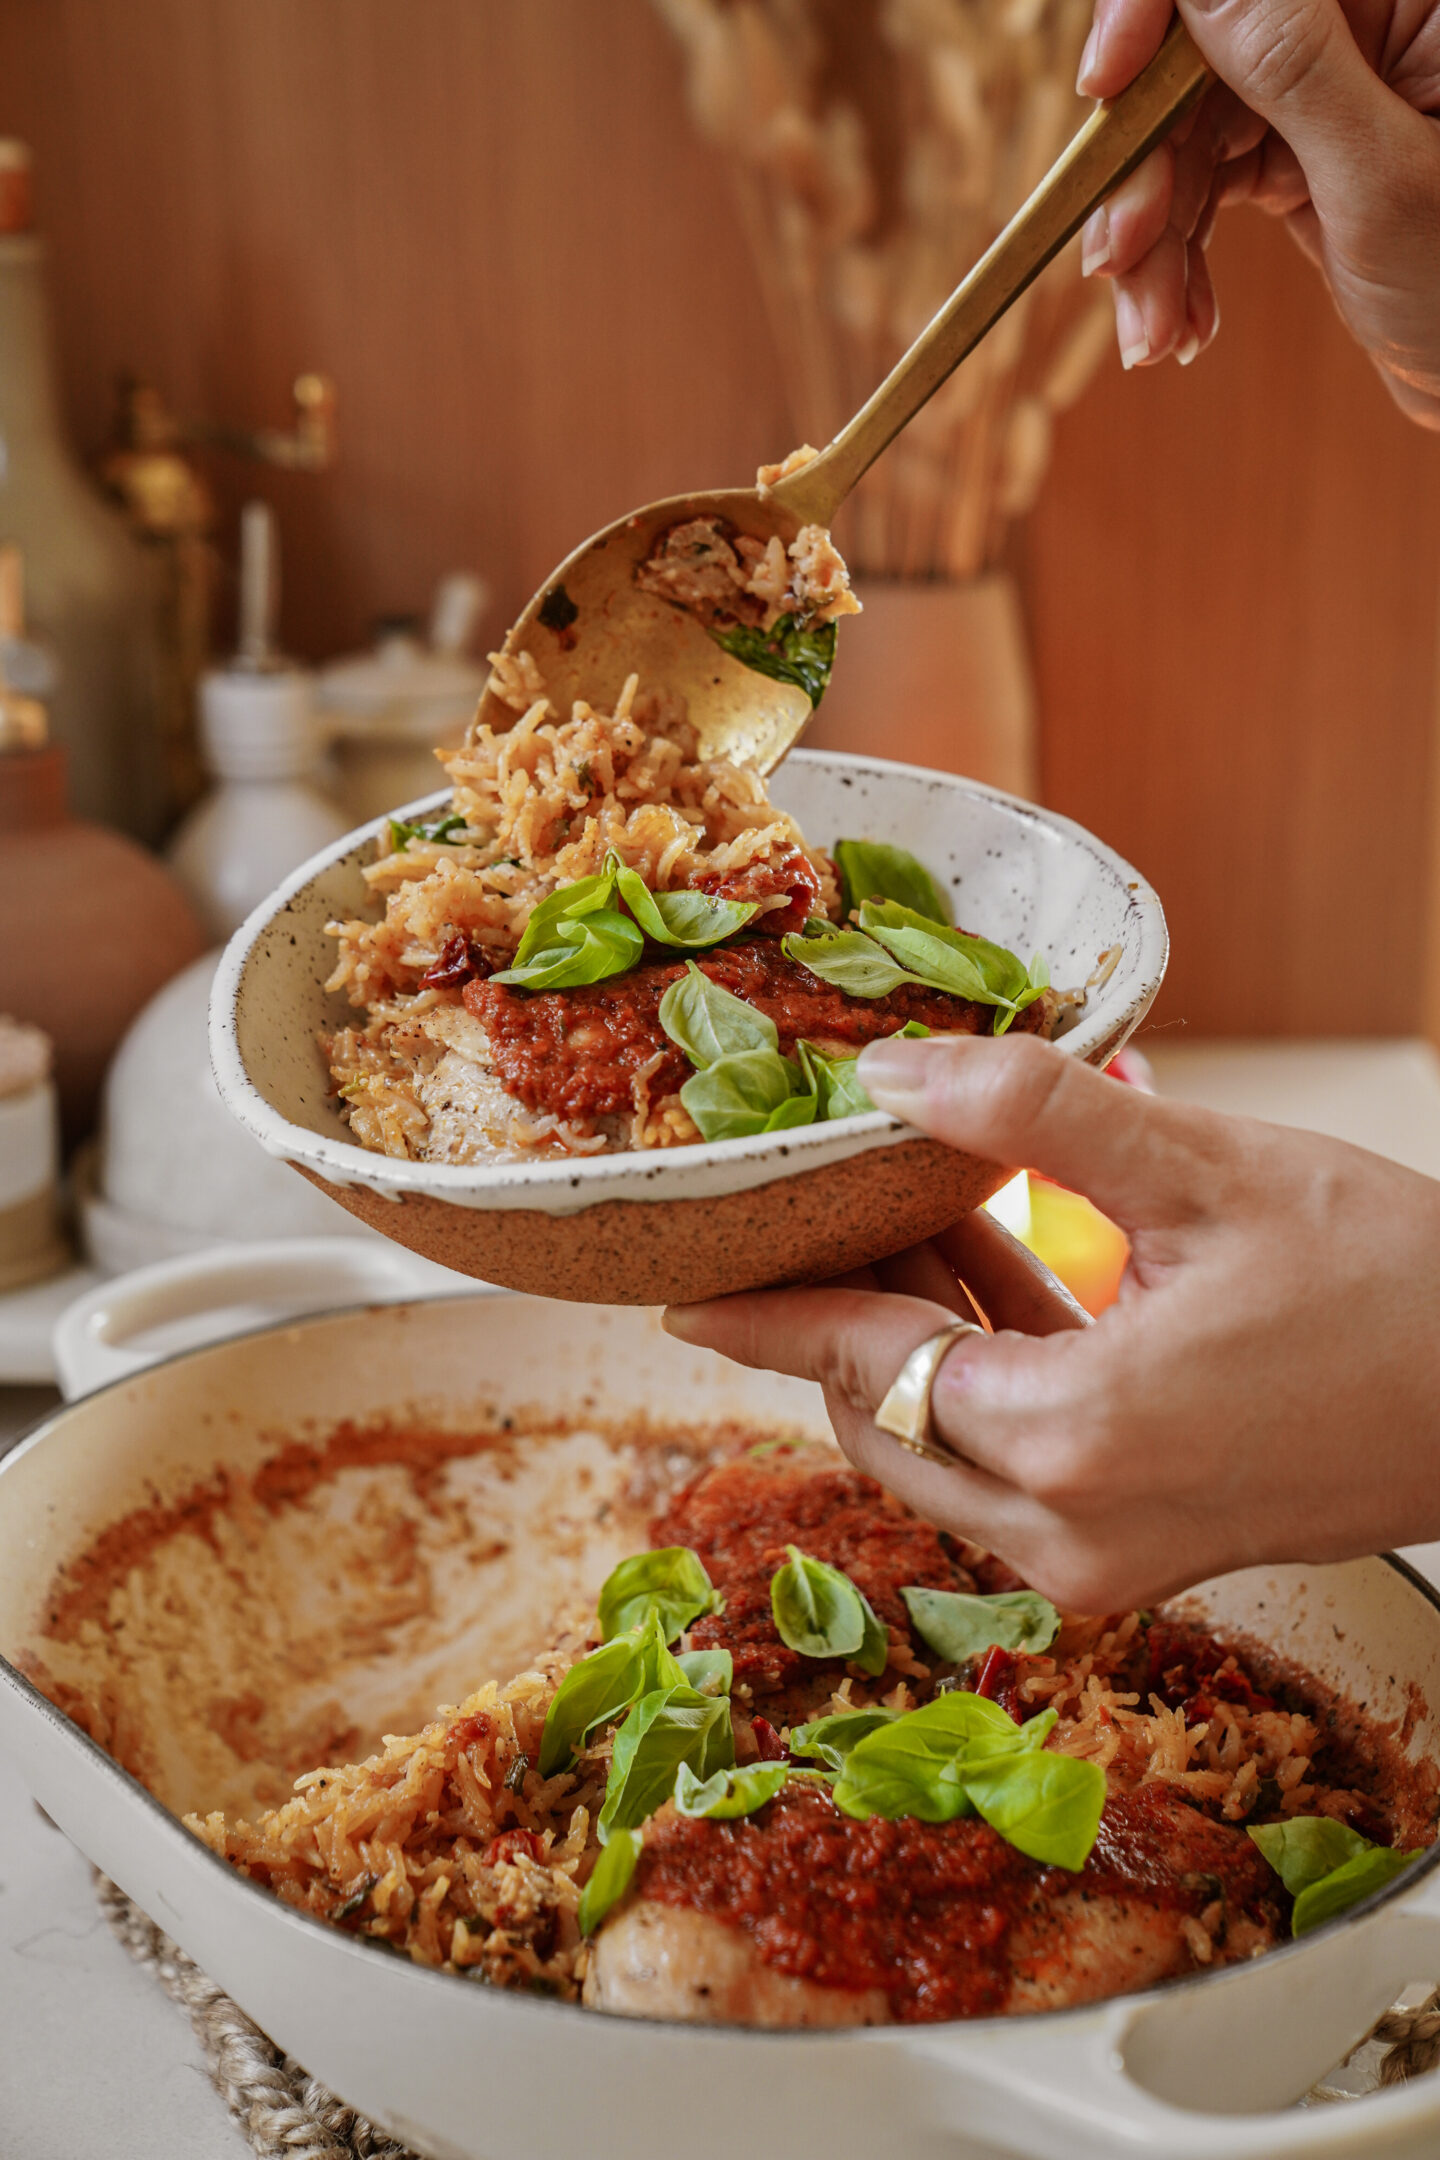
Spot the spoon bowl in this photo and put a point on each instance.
(591, 625)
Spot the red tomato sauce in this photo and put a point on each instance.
(928, 1912)
(793, 874)
(920, 1910)
(575, 1053)
(740, 1517)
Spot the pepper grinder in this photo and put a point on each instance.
(260, 739)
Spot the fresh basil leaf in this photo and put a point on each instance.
(670, 1583)
(1326, 1866)
(932, 954)
(658, 1667)
(1307, 1848)
(586, 949)
(690, 919)
(818, 1611)
(874, 1653)
(849, 961)
(729, 1793)
(708, 1023)
(596, 1691)
(830, 1739)
(897, 1771)
(869, 870)
(610, 1878)
(709, 1672)
(748, 1092)
(566, 904)
(915, 1747)
(1021, 1739)
(833, 1083)
(917, 1765)
(1046, 1805)
(1004, 975)
(787, 653)
(957, 1626)
(1349, 1885)
(1038, 984)
(821, 1613)
(669, 1727)
(952, 960)
(801, 1109)
(402, 834)
(959, 1719)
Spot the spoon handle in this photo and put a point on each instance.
(1111, 143)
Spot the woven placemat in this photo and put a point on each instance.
(278, 2108)
(285, 2114)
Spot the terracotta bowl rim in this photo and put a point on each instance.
(660, 1174)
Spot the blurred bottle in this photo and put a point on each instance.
(90, 597)
(94, 925)
(260, 738)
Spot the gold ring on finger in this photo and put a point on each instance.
(905, 1412)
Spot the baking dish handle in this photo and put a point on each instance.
(135, 1320)
(1209, 2072)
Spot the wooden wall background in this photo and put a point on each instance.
(490, 220)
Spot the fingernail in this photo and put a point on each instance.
(896, 1073)
(1186, 353)
(1130, 329)
(676, 1321)
(1095, 244)
(1088, 59)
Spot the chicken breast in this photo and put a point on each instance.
(662, 1961)
(801, 1916)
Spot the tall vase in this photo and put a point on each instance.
(936, 673)
(876, 150)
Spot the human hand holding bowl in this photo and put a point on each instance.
(1264, 1388)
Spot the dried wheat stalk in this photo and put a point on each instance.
(877, 147)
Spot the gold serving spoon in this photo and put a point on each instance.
(590, 625)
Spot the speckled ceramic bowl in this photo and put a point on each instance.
(691, 1222)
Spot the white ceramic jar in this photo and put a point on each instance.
(260, 740)
(387, 712)
(31, 1245)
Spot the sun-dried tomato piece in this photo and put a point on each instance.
(460, 962)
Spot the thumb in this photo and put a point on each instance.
(1026, 1104)
(1296, 64)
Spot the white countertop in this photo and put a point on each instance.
(96, 2063)
(1379, 1095)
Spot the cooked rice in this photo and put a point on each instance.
(403, 1847)
(543, 803)
(726, 577)
(1221, 1762)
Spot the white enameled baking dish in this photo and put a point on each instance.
(1204, 2070)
